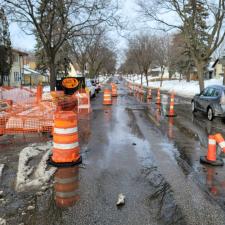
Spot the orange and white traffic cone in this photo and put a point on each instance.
(171, 110)
(221, 142)
(158, 98)
(211, 157)
(66, 150)
(107, 97)
(149, 96)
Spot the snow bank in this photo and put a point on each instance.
(1, 169)
(26, 176)
(181, 88)
(2, 221)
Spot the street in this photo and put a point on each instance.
(129, 148)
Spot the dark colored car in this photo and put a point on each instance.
(211, 101)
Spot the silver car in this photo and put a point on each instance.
(211, 101)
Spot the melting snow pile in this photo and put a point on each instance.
(1, 169)
(2, 221)
(31, 176)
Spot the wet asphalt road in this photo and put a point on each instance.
(129, 148)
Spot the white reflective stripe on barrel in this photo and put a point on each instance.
(222, 144)
(212, 142)
(84, 106)
(66, 180)
(65, 131)
(65, 146)
(106, 95)
(66, 194)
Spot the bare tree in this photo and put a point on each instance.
(162, 54)
(93, 51)
(56, 21)
(200, 22)
(142, 50)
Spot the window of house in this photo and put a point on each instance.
(15, 58)
(6, 78)
(17, 76)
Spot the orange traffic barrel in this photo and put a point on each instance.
(114, 90)
(220, 141)
(107, 97)
(158, 98)
(172, 103)
(66, 150)
(211, 157)
(66, 186)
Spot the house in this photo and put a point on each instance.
(16, 75)
(32, 77)
(219, 67)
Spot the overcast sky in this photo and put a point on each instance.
(27, 42)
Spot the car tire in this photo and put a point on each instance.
(193, 108)
(210, 114)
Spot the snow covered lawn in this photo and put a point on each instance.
(181, 88)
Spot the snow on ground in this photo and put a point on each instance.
(181, 88)
(1, 169)
(2, 221)
(26, 176)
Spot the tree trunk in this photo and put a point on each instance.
(141, 79)
(188, 76)
(52, 75)
(200, 68)
(146, 77)
(161, 78)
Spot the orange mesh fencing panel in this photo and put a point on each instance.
(23, 111)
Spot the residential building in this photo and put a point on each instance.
(17, 71)
(219, 67)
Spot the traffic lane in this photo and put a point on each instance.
(197, 206)
(189, 135)
(116, 159)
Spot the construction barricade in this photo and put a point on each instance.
(24, 110)
(66, 150)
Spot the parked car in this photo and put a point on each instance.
(96, 84)
(90, 87)
(211, 101)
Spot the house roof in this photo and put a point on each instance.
(21, 53)
(28, 71)
(221, 61)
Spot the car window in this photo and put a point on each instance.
(216, 93)
(205, 92)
